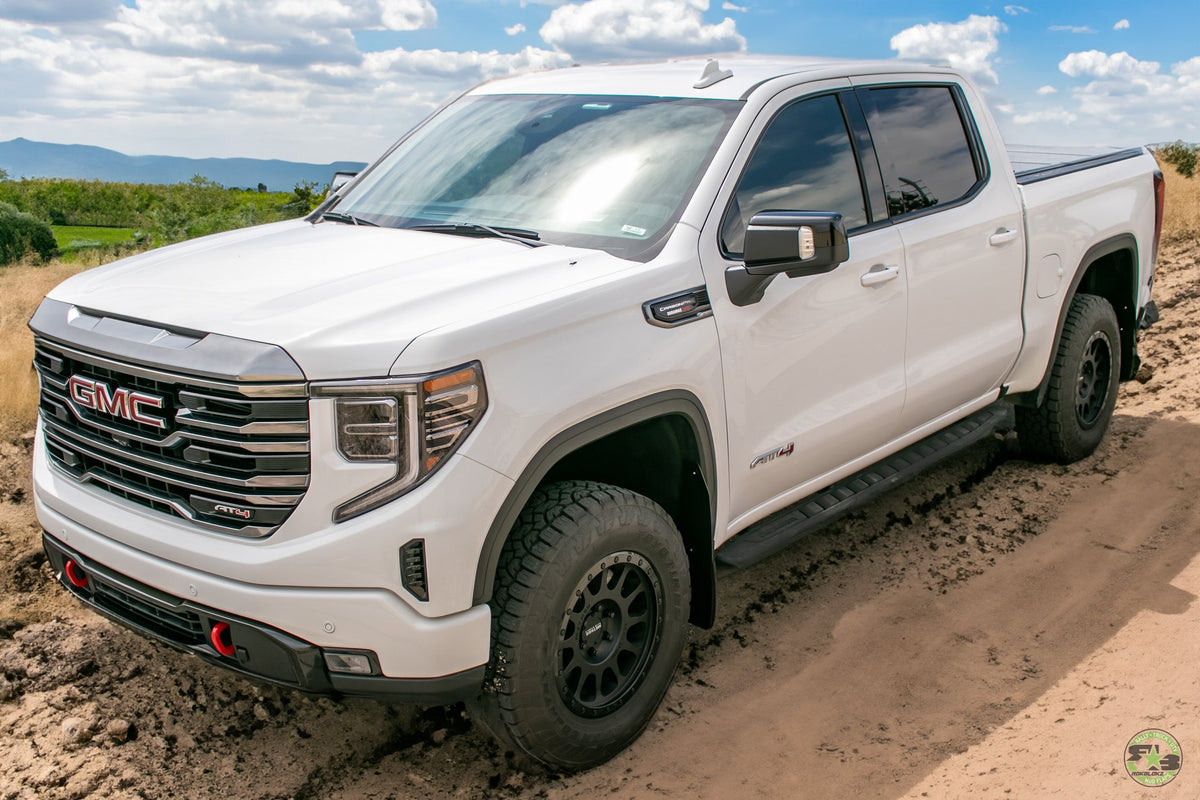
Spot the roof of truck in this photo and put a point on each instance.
(677, 77)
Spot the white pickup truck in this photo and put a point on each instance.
(482, 426)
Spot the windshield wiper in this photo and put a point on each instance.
(349, 219)
(518, 235)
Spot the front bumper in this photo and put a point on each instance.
(258, 651)
(420, 658)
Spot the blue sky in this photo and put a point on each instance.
(319, 80)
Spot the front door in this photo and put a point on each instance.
(814, 371)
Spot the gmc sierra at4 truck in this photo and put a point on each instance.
(482, 426)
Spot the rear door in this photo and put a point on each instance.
(963, 242)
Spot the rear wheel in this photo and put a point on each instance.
(589, 617)
(1083, 386)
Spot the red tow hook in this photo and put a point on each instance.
(75, 575)
(221, 639)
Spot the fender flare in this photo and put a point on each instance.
(676, 402)
(1116, 244)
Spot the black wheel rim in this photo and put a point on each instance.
(609, 634)
(1094, 379)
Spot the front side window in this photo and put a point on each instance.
(803, 162)
(611, 173)
(922, 146)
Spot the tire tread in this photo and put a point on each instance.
(554, 513)
(1045, 432)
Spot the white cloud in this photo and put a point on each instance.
(289, 32)
(1134, 100)
(728, 6)
(967, 45)
(1122, 25)
(1059, 115)
(471, 66)
(513, 30)
(1013, 11)
(1102, 65)
(224, 94)
(1047, 90)
(1188, 71)
(607, 29)
(1072, 29)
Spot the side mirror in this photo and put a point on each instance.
(339, 180)
(797, 243)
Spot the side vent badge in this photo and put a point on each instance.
(677, 309)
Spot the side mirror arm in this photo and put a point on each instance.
(743, 288)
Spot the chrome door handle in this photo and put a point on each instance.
(1003, 236)
(880, 274)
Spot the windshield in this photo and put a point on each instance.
(612, 173)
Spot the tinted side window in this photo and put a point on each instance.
(922, 146)
(803, 162)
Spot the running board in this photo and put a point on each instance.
(768, 536)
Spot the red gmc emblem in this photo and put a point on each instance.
(120, 402)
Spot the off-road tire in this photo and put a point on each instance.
(1082, 391)
(589, 617)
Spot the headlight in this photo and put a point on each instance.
(414, 423)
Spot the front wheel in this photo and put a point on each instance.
(1082, 392)
(589, 617)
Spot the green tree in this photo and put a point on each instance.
(22, 234)
(304, 199)
(1179, 155)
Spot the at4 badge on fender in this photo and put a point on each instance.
(771, 455)
(123, 403)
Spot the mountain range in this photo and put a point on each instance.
(22, 158)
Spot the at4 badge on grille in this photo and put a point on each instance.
(124, 403)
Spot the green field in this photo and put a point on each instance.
(80, 237)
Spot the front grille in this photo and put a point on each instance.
(230, 457)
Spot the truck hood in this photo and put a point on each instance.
(343, 300)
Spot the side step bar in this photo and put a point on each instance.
(768, 536)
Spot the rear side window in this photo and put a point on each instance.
(803, 162)
(923, 147)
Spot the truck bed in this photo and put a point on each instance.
(1038, 163)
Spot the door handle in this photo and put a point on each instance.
(880, 274)
(1003, 236)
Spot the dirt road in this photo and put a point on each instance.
(995, 628)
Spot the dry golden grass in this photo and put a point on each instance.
(1181, 217)
(21, 289)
